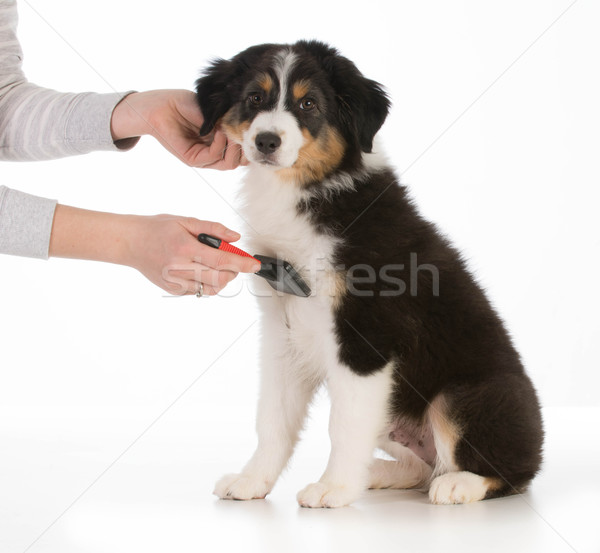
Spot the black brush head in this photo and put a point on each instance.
(282, 276)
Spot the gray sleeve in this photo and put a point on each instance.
(37, 124)
(25, 223)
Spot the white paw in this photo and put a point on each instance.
(457, 487)
(321, 495)
(242, 486)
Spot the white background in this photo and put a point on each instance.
(494, 128)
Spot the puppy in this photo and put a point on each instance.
(416, 362)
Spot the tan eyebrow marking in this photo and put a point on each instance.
(300, 89)
(265, 82)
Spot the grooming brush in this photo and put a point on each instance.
(278, 273)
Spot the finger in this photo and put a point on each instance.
(188, 107)
(217, 259)
(226, 261)
(201, 273)
(205, 154)
(196, 227)
(230, 161)
(233, 155)
(183, 279)
(191, 287)
(216, 150)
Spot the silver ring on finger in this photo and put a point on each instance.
(200, 291)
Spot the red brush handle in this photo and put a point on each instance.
(227, 247)
(219, 244)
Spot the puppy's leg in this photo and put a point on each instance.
(493, 452)
(407, 471)
(451, 485)
(284, 400)
(358, 414)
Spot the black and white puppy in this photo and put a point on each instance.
(415, 359)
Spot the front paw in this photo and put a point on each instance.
(242, 487)
(321, 495)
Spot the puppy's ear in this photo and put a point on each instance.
(362, 103)
(215, 92)
(368, 105)
(221, 85)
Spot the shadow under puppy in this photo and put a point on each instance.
(416, 361)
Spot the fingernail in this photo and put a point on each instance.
(234, 235)
(256, 268)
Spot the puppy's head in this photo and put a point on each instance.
(302, 109)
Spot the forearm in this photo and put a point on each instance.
(93, 235)
(164, 248)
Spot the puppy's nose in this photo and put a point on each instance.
(267, 142)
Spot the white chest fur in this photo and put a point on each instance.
(277, 229)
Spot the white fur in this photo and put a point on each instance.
(358, 413)
(376, 160)
(284, 61)
(276, 229)
(286, 127)
(457, 487)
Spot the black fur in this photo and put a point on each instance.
(446, 340)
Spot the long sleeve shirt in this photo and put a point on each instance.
(37, 123)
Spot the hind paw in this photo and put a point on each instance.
(457, 487)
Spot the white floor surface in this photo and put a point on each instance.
(82, 482)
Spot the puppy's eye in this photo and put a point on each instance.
(307, 104)
(255, 99)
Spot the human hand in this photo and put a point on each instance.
(174, 119)
(164, 248)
